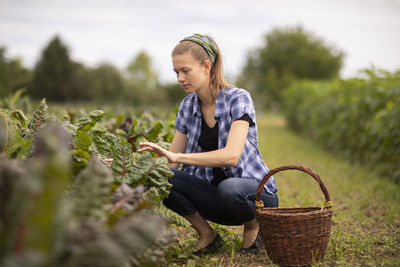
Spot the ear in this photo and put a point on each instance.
(207, 65)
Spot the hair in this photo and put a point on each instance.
(217, 79)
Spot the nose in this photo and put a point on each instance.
(180, 77)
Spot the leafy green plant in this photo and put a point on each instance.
(65, 206)
(358, 117)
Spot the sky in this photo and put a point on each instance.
(115, 31)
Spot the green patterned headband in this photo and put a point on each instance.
(206, 42)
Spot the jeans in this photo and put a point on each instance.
(229, 203)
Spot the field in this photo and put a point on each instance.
(366, 221)
(49, 219)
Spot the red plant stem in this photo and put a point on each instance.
(21, 233)
(120, 203)
(123, 165)
(40, 120)
(20, 240)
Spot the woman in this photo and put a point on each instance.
(216, 143)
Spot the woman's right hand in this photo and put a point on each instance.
(152, 147)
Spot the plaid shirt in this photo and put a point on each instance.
(231, 104)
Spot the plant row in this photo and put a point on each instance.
(65, 203)
(358, 117)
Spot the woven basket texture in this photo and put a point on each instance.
(295, 236)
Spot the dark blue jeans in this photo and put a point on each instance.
(230, 203)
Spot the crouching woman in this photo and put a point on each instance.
(216, 145)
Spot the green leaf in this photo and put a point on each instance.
(50, 170)
(152, 172)
(20, 116)
(12, 135)
(80, 153)
(155, 131)
(90, 191)
(39, 117)
(14, 199)
(83, 140)
(138, 234)
(157, 177)
(122, 166)
(87, 121)
(135, 140)
(133, 127)
(104, 141)
(127, 197)
(171, 217)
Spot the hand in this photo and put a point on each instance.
(152, 147)
(109, 161)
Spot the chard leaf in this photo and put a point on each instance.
(125, 125)
(14, 199)
(20, 117)
(171, 217)
(135, 140)
(155, 131)
(12, 134)
(90, 191)
(154, 255)
(122, 164)
(81, 158)
(137, 232)
(39, 117)
(127, 197)
(157, 178)
(87, 121)
(152, 172)
(83, 140)
(133, 127)
(103, 141)
(50, 168)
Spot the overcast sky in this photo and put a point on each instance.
(96, 31)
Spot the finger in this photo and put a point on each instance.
(146, 144)
(145, 149)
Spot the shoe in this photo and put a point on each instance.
(259, 242)
(250, 250)
(255, 248)
(213, 247)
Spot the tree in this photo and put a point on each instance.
(106, 83)
(289, 54)
(142, 81)
(141, 73)
(174, 93)
(53, 73)
(13, 75)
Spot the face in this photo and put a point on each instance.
(192, 75)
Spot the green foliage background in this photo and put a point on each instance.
(359, 117)
(287, 55)
(57, 77)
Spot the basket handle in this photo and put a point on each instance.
(260, 204)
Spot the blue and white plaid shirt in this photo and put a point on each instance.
(231, 104)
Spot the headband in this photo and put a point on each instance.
(206, 42)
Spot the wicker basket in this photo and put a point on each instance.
(295, 236)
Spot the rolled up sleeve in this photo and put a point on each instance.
(243, 104)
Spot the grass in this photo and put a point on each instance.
(366, 222)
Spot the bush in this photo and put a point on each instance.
(359, 117)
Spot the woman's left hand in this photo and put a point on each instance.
(152, 147)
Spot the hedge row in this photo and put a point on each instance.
(359, 117)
